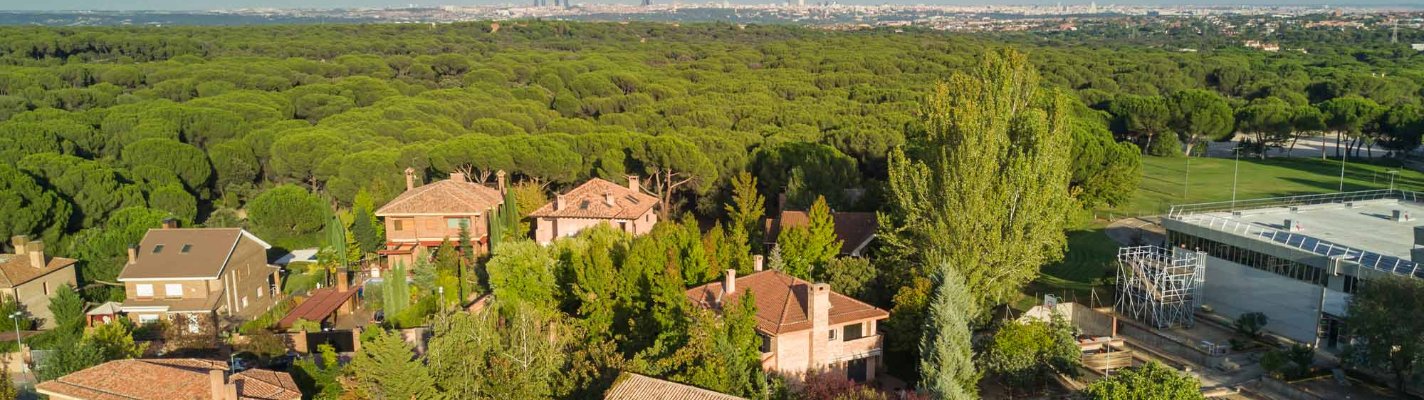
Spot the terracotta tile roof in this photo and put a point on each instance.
(454, 196)
(179, 379)
(854, 229)
(590, 200)
(631, 386)
(781, 302)
(15, 269)
(185, 253)
(319, 304)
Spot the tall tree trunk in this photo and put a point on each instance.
(1339, 137)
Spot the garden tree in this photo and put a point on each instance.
(115, 340)
(319, 375)
(386, 368)
(726, 250)
(395, 291)
(72, 354)
(521, 273)
(806, 249)
(104, 249)
(175, 201)
(298, 156)
(1200, 115)
(7, 389)
(1105, 172)
(983, 185)
(1384, 317)
(1138, 116)
(1267, 124)
(588, 266)
(673, 164)
(478, 156)
(851, 276)
(1306, 121)
(287, 215)
(1026, 353)
(190, 163)
(1348, 116)
(1401, 127)
(67, 309)
(946, 355)
(1288, 363)
(29, 209)
(746, 210)
(1149, 381)
(482, 355)
(369, 232)
(803, 171)
(94, 188)
(721, 354)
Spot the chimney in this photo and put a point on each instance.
(217, 380)
(409, 178)
(19, 241)
(37, 256)
(231, 391)
(634, 183)
(730, 285)
(457, 176)
(133, 253)
(560, 202)
(818, 308)
(758, 262)
(608, 198)
(170, 223)
(342, 284)
(499, 179)
(781, 202)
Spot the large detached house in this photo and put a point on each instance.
(170, 379)
(854, 229)
(424, 217)
(805, 327)
(31, 277)
(596, 202)
(201, 273)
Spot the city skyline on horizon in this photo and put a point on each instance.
(184, 5)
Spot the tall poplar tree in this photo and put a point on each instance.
(982, 184)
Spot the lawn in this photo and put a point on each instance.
(1090, 251)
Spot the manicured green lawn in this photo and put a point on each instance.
(1168, 181)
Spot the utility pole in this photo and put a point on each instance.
(1235, 172)
(1343, 156)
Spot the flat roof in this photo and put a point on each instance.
(1366, 227)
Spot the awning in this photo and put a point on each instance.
(320, 304)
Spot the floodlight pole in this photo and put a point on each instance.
(1234, 174)
(1186, 179)
(1343, 156)
(19, 347)
(1392, 173)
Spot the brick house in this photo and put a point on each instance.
(595, 202)
(424, 217)
(205, 274)
(805, 327)
(164, 379)
(855, 230)
(31, 277)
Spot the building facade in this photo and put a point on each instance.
(1299, 259)
(595, 202)
(207, 275)
(805, 327)
(31, 277)
(424, 217)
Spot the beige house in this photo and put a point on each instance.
(596, 202)
(31, 276)
(206, 274)
(805, 327)
(170, 379)
(422, 218)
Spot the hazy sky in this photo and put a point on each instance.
(230, 4)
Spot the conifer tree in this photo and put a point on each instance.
(946, 354)
(386, 368)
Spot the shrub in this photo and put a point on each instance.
(1250, 324)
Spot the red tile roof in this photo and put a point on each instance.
(591, 200)
(178, 379)
(15, 269)
(853, 229)
(454, 196)
(631, 386)
(781, 301)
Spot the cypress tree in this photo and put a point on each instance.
(946, 354)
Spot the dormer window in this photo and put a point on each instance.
(157, 249)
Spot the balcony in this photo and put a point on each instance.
(857, 348)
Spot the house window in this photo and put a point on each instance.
(832, 334)
(144, 290)
(157, 249)
(260, 291)
(765, 343)
(193, 325)
(45, 286)
(173, 290)
(398, 225)
(457, 223)
(145, 319)
(244, 301)
(622, 225)
(853, 332)
(185, 248)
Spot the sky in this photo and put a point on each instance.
(171, 5)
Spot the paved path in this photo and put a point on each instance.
(1137, 231)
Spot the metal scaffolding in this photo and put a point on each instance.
(1159, 286)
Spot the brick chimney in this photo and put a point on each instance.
(818, 308)
(19, 241)
(758, 262)
(37, 255)
(608, 198)
(409, 178)
(342, 282)
(560, 202)
(170, 223)
(729, 286)
(133, 253)
(231, 392)
(457, 176)
(634, 183)
(217, 382)
(499, 178)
